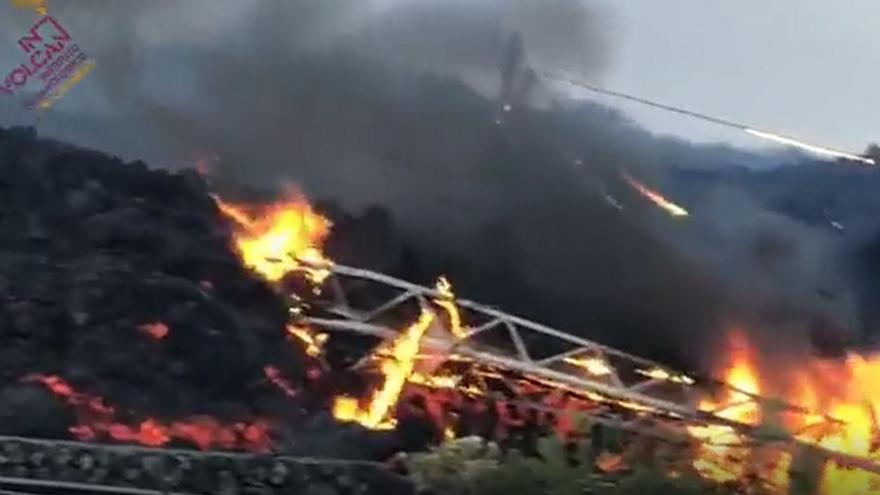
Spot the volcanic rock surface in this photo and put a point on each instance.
(121, 280)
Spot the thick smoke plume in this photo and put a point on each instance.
(396, 104)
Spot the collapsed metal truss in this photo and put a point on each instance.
(647, 396)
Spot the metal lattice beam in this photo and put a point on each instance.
(499, 340)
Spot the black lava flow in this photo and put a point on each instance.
(91, 249)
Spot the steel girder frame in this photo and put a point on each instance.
(665, 402)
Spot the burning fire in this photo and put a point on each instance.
(396, 368)
(718, 457)
(447, 302)
(314, 342)
(157, 330)
(287, 236)
(399, 363)
(594, 365)
(274, 375)
(843, 390)
(277, 239)
(655, 197)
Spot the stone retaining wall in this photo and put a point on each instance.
(182, 471)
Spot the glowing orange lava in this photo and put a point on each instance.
(97, 420)
(277, 239)
(845, 390)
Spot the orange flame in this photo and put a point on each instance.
(314, 342)
(447, 302)
(718, 457)
(655, 197)
(594, 365)
(274, 375)
(842, 389)
(845, 390)
(275, 240)
(396, 369)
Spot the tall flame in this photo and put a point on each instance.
(396, 368)
(655, 197)
(401, 362)
(277, 239)
(447, 302)
(718, 458)
(313, 341)
(842, 389)
(845, 390)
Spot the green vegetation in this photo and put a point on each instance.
(471, 466)
(602, 461)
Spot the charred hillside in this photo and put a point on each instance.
(120, 280)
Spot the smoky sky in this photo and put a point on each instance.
(395, 104)
(791, 66)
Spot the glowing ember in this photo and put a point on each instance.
(396, 369)
(655, 197)
(401, 362)
(274, 375)
(447, 302)
(594, 366)
(610, 463)
(277, 239)
(96, 420)
(844, 390)
(156, 330)
(435, 381)
(664, 375)
(314, 342)
(719, 456)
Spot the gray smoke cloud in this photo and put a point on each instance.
(394, 103)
